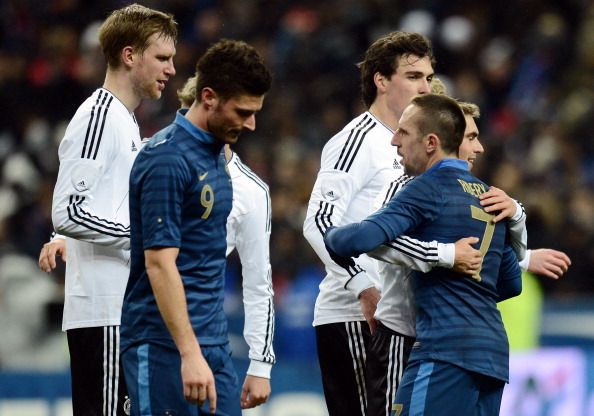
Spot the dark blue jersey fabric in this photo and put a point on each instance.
(457, 318)
(180, 196)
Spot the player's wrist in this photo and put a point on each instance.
(259, 369)
(446, 254)
(358, 284)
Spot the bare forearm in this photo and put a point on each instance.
(170, 296)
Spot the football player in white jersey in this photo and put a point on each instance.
(356, 164)
(90, 202)
(248, 231)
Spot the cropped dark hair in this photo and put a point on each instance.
(383, 55)
(231, 68)
(441, 115)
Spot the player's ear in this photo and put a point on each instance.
(432, 143)
(209, 97)
(380, 81)
(127, 56)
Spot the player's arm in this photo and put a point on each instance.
(421, 255)
(332, 194)
(495, 201)
(509, 282)
(418, 202)
(252, 238)
(76, 210)
(166, 282)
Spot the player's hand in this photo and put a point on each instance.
(548, 262)
(496, 201)
(255, 391)
(368, 300)
(49, 251)
(198, 380)
(467, 259)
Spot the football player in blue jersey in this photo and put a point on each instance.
(461, 349)
(180, 198)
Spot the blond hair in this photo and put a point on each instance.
(187, 94)
(438, 87)
(470, 109)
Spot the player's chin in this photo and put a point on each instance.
(231, 138)
(153, 93)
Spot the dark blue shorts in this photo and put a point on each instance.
(155, 386)
(439, 388)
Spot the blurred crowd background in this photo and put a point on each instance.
(528, 64)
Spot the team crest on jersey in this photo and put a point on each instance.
(396, 164)
(134, 148)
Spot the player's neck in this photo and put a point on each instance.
(228, 152)
(437, 157)
(119, 85)
(384, 115)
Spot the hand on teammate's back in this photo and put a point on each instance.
(467, 259)
(495, 201)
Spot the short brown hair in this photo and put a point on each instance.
(133, 25)
(383, 55)
(442, 116)
(232, 68)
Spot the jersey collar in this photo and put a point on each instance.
(446, 163)
(202, 135)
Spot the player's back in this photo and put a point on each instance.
(457, 318)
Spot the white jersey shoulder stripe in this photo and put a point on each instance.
(395, 186)
(353, 143)
(96, 125)
(248, 173)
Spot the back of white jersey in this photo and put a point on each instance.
(356, 164)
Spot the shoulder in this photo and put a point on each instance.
(245, 181)
(360, 128)
(357, 142)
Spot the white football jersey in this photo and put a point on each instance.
(248, 231)
(356, 164)
(90, 208)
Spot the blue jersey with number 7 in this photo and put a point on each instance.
(457, 319)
